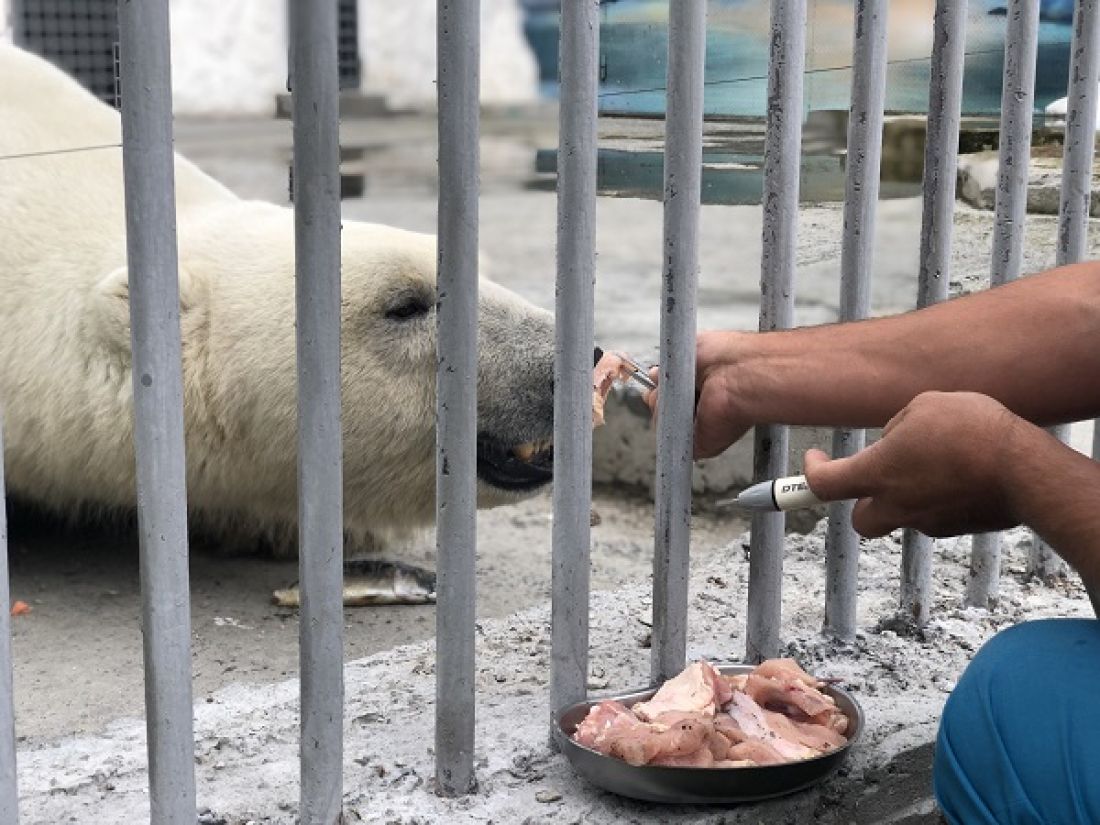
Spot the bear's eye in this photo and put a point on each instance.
(407, 308)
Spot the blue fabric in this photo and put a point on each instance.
(1019, 741)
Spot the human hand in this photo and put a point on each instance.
(719, 420)
(943, 466)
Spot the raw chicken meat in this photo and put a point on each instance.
(609, 369)
(702, 719)
(700, 688)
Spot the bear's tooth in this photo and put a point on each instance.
(524, 451)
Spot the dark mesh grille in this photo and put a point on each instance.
(347, 44)
(80, 36)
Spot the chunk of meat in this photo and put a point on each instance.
(683, 724)
(817, 737)
(698, 689)
(786, 669)
(736, 681)
(676, 735)
(756, 752)
(599, 719)
(702, 758)
(787, 695)
(755, 723)
(614, 730)
(609, 369)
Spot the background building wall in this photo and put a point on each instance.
(230, 59)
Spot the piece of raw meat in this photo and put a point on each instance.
(775, 714)
(788, 695)
(599, 719)
(755, 723)
(609, 369)
(698, 689)
(786, 669)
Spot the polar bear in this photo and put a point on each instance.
(65, 377)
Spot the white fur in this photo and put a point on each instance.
(65, 347)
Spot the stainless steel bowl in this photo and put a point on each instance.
(700, 785)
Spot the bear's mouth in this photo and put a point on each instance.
(519, 468)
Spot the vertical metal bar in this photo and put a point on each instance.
(687, 26)
(9, 792)
(18, 21)
(856, 258)
(573, 332)
(320, 451)
(149, 176)
(1073, 213)
(782, 150)
(456, 383)
(1017, 104)
(941, 155)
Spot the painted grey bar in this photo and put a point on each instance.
(1073, 213)
(675, 407)
(941, 155)
(1017, 103)
(9, 792)
(149, 176)
(15, 15)
(782, 142)
(572, 534)
(456, 384)
(320, 451)
(856, 259)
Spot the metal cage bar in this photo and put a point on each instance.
(782, 149)
(320, 452)
(1017, 104)
(1076, 195)
(9, 791)
(573, 331)
(151, 253)
(687, 26)
(941, 155)
(456, 383)
(857, 254)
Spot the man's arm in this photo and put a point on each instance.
(1055, 492)
(1033, 345)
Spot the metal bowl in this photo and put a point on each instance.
(700, 785)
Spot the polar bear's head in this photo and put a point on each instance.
(238, 319)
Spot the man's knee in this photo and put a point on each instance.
(990, 767)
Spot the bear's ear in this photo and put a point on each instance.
(110, 315)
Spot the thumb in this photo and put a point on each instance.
(839, 479)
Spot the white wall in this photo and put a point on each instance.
(230, 58)
(397, 41)
(227, 58)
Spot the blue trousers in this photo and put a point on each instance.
(1019, 741)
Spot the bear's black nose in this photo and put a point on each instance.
(597, 354)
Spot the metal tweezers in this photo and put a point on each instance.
(637, 373)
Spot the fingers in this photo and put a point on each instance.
(842, 478)
(872, 521)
